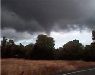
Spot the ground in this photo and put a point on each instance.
(13, 66)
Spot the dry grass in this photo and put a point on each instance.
(40, 67)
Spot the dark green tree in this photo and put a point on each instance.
(93, 35)
(43, 48)
(72, 50)
(4, 51)
(89, 53)
(28, 50)
(4, 41)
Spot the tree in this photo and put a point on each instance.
(4, 51)
(58, 53)
(28, 50)
(72, 50)
(19, 51)
(89, 53)
(11, 42)
(43, 48)
(4, 41)
(93, 35)
(7, 48)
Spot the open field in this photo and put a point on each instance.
(40, 67)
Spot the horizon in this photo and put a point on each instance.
(60, 36)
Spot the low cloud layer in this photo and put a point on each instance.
(13, 34)
(47, 15)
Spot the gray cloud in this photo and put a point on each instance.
(45, 15)
(13, 34)
(12, 20)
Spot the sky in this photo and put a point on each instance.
(64, 20)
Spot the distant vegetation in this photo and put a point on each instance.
(44, 49)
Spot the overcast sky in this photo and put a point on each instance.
(25, 19)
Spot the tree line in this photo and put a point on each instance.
(44, 49)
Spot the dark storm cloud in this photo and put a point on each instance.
(45, 15)
(11, 20)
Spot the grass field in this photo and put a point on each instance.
(40, 67)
